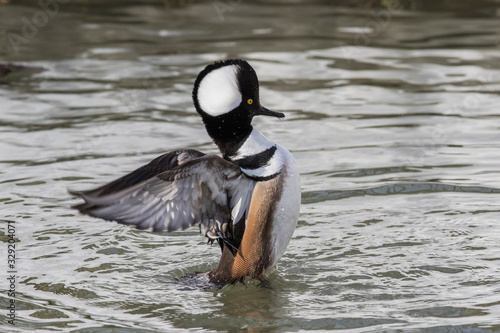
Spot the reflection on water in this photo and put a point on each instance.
(391, 113)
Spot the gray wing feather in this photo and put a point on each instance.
(160, 164)
(206, 190)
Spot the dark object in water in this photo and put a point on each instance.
(6, 69)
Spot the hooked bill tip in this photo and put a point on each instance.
(266, 112)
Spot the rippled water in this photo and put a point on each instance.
(391, 113)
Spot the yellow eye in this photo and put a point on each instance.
(250, 101)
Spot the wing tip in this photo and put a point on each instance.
(74, 193)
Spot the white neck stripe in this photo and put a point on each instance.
(255, 143)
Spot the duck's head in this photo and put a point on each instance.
(226, 95)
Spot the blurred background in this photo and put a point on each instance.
(391, 113)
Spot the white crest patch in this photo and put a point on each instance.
(218, 92)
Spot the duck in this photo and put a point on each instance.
(247, 200)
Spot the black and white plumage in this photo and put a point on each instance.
(237, 200)
(184, 188)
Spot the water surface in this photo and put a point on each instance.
(391, 113)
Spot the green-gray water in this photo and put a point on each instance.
(392, 113)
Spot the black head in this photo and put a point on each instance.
(226, 95)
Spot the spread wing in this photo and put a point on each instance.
(160, 164)
(193, 189)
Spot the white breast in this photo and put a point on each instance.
(287, 210)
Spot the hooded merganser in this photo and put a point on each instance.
(248, 201)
